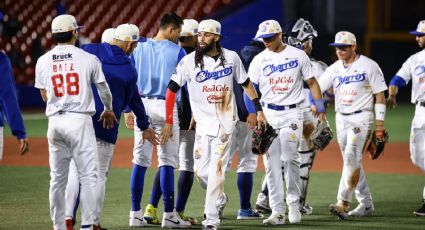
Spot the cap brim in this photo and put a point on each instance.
(339, 44)
(266, 36)
(417, 33)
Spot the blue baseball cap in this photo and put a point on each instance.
(420, 30)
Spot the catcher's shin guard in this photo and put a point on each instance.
(307, 158)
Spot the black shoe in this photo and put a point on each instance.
(421, 211)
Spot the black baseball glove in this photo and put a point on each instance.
(377, 143)
(322, 135)
(262, 139)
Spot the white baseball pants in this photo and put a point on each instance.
(352, 134)
(187, 140)
(283, 153)
(211, 156)
(71, 136)
(168, 153)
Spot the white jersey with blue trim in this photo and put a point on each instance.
(211, 90)
(414, 69)
(66, 73)
(280, 75)
(354, 85)
(317, 68)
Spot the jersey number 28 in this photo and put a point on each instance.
(72, 84)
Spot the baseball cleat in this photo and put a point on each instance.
(294, 214)
(248, 214)
(221, 203)
(362, 210)
(173, 220)
(192, 220)
(136, 219)
(275, 219)
(306, 209)
(338, 211)
(421, 211)
(150, 215)
(262, 204)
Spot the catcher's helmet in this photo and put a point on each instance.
(298, 32)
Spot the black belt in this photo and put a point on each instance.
(421, 103)
(355, 112)
(279, 107)
(153, 97)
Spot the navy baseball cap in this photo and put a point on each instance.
(344, 38)
(420, 30)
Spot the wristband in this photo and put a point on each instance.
(257, 105)
(380, 112)
(320, 105)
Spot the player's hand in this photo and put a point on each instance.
(261, 119)
(150, 135)
(192, 125)
(391, 102)
(109, 119)
(129, 120)
(313, 109)
(24, 146)
(251, 120)
(166, 133)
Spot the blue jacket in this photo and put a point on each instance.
(8, 101)
(121, 77)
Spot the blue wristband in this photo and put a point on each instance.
(398, 81)
(311, 99)
(320, 105)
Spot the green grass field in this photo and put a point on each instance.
(397, 123)
(24, 201)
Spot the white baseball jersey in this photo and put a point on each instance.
(355, 85)
(317, 69)
(281, 74)
(414, 69)
(211, 90)
(66, 73)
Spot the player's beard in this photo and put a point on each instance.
(206, 48)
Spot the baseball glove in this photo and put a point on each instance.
(322, 136)
(376, 144)
(262, 139)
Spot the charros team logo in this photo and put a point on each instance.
(270, 69)
(206, 75)
(349, 79)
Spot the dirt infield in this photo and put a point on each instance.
(396, 158)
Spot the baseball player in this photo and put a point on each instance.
(155, 61)
(64, 76)
(209, 73)
(300, 34)
(356, 81)
(414, 69)
(279, 72)
(121, 76)
(9, 107)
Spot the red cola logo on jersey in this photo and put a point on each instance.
(349, 79)
(270, 69)
(281, 80)
(215, 88)
(205, 75)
